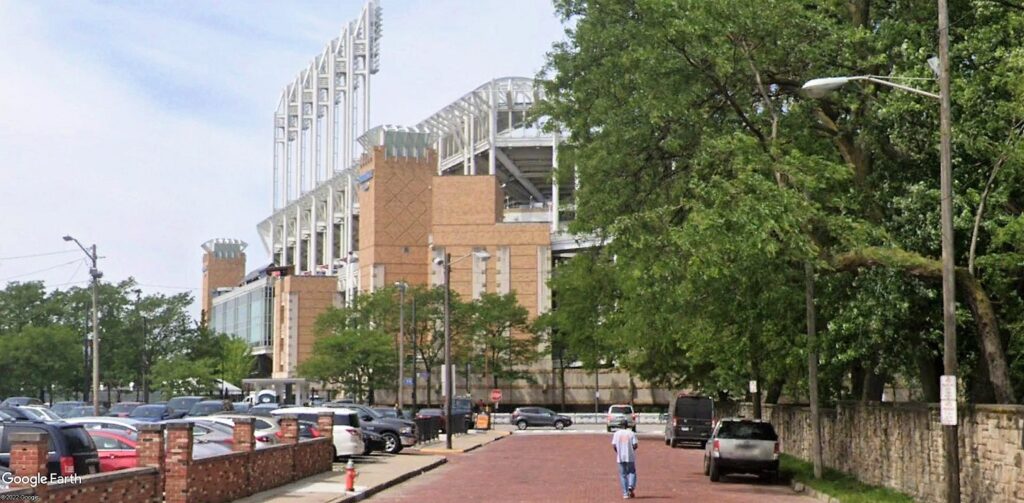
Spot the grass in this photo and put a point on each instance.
(839, 485)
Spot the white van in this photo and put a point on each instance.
(348, 438)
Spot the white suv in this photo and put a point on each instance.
(347, 437)
(621, 416)
(739, 445)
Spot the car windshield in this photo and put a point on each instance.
(747, 430)
(78, 439)
(621, 409)
(148, 411)
(204, 408)
(124, 407)
(694, 407)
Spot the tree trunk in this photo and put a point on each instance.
(874, 385)
(773, 391)
(929, 370)
(856, 381)
(987, 334)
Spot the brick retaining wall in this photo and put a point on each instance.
(176, 477)
(900, 446)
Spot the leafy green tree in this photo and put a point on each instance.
(36, 359)
(236, 361)
(360, 360)
(501, 338)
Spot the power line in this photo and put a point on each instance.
(34, 255)
(168, 287)
(41, 270)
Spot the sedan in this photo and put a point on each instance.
(124, 409)
(116, 449)
(151, 413)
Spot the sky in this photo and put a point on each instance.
(145, 127)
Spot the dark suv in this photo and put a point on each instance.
(72, 451)
(395, 433)
(180, 405)
(538, 416)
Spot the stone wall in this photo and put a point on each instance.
(900, 446)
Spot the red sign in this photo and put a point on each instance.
(495, 395)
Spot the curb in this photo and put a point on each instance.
(799, 487)
(441, 452)
(391, 483)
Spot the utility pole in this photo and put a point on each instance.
(415, 384)
(447, 373)
(96, 275)
(949, 358)
(401, 341)
(812, 368)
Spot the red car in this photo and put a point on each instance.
(116, 449)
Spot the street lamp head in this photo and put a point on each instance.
(818, 88)
(439, 261)
(68, 238)
(482, 254)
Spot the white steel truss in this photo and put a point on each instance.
(318, 119)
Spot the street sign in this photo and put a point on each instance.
(947, 400)
(495, 395)
(753, 386)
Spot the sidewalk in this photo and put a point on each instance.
(375, 473)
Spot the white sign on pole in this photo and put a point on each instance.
(445, 372)
(753, 386)
(947, 400)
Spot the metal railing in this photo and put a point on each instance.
(593, 418)
(427, 429)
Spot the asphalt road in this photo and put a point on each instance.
(577, 465)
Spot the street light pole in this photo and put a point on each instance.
(401, 341)
(96, 275)
(447, 352)
(446, 264)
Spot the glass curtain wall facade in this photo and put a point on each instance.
(246, 312)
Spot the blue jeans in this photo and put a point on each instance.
(627, 476)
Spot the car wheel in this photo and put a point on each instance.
(521, 424)
(634, 428)
(667, 441)
(367, 450)
(559, 425)
(707, 469)
(714, 472)
(392, 444)
(334, 453)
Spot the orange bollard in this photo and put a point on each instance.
(350, 476)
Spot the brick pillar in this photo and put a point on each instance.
(28, 457)
(244, 434)
(325, 423)
(178, 463)
(150, 450)
(289, 428)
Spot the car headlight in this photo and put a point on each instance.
(407, 430)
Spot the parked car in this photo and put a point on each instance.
(388, 412)
(116, 449)
(538, 416)
(438, 413)
(690, 419)
(206, 431)
(181, 405)
(125, 424)
(124, 409)
(71, 452)
(39, 413)
(347, 437)
(84, 411)
(15, 413)
(152, 413)
(266, 429)
(240, 406)
(620, 416)
(740, 445)
(309, 429)
(207, 407)
(397, 433)
(15, 401)
(62, 408)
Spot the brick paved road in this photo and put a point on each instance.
(580, 467)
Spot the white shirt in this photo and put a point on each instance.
(625, 445)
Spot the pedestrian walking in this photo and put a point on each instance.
(625, 445)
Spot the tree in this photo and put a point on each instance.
(734, 181)
(500, 336)
(358, 359)
(237, 361)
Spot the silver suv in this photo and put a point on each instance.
(621, 417)
(739, 445)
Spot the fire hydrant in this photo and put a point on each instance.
(350, 476)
